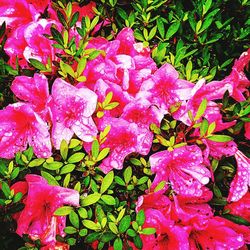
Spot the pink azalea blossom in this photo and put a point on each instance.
(142, 113)
(240, 207)
(188, 210)
(86, 10)
(39, 5)
(37, 219)
(168, 235)
(19, 126)
(33, 90)
(219, 149)
(28, 42)
(247, 129)
(241, 181)
(72, 109)
(16, 13)
(123, 139)
(237, 77)
(183, 168)
(126, 63)
(210, 92)
(216, 235)
(165, 89)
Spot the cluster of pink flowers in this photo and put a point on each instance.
(43, 118)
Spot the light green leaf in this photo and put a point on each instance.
(107, 181)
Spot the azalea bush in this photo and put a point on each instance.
(124, 124)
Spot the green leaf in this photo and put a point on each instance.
(70, 230)
(91, 225)
(135, 161)
(148, 231)
(83, 213)
(220, 138)
(113, 227)
(37, 64)
(63, 211)
(81, 65)
(92, 237)
(237, 219)
(6, 189)
(131, 232)
(152, 33)
(53, 165)
(201, 110)
(203, 127)
(90, 199)
(76, 157)
(138, 242)
(17, 197)
(95, 148)
(61, 18)
(160, 26)
(83, 232)
(173, 28)
(211, 128)
(74, 143)
(28, 153)
(103, 154)
(108, 199)
(67, 168)
(74, 219)
(64, 149)
(57, 36)
(120, 181)
(74, 19)
(107, 181)
(124, 224)
(140, 217)
(15, 173)
(117, 244)
(127, 174)
(51, 179)
(160, 186)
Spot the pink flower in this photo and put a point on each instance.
(86, 10)
(16, 13)
(241, 181)
(33, 90)
(210, 91)
(123, 139)
(216, 235)
(241, 207)
(19, 126)
(125, 64)
(247, 129)
(219, 149)
(37, 219)
(237, 77)
(28, 42)
(142, 113)
(39, 5)
(165, 89)
(168, 235)
(183, 167)
(72, 109)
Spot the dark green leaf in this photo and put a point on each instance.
(74, 19)
(124, 224)
(57, 36)
(140, 217)
(37, 64)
